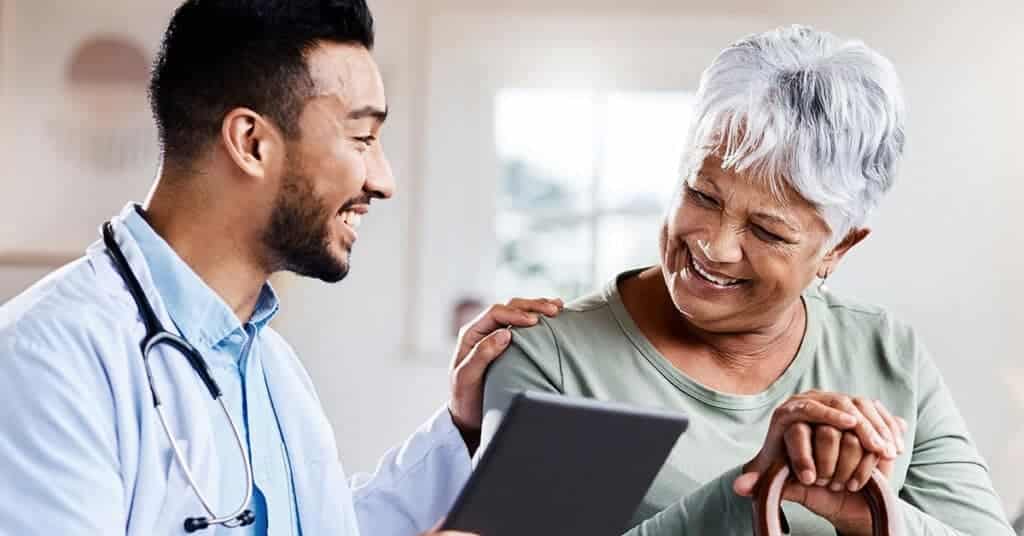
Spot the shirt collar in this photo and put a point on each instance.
(200, 314)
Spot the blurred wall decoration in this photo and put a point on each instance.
(103, 121)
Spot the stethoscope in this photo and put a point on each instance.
(155, 336)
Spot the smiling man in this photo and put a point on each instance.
(270, 116)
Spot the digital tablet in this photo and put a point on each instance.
(565, 466)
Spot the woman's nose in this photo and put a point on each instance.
(722, 246)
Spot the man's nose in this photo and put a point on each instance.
(380, 182)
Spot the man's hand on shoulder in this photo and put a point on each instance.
(480, 343)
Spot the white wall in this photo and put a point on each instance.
(945, 254)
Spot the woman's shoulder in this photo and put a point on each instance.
(582, 319)
(855, 328)
(847, 312)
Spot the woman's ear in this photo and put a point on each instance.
(832, 258)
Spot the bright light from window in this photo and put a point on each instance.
(586, 177)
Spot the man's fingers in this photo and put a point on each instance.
(519, 312)
(800, 452)
(545, 306)
(496, 316)
(471, 370)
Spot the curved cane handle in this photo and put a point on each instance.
(768, 498)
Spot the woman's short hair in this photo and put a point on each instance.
(802, 107)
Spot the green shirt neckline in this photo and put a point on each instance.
(777, 390)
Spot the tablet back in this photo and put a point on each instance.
(565, 466)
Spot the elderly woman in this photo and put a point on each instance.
(795, 139)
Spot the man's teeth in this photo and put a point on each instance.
(352, 219)
(716, 280)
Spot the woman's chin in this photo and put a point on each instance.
(704, 307)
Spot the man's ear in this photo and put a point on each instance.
(252, 142)
(832, 258)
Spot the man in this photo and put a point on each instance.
(269, 115)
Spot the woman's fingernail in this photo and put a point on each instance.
(807, 477)
(836, 487)
(821, 482)
(853, 486)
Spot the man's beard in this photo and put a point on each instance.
(297, 238)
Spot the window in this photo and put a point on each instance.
(586, 177)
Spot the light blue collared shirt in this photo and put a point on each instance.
(83, 452)
(233, 352)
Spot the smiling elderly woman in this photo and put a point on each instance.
(795, 139)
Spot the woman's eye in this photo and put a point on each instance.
(702, 198)
(766, 235)
(368, 140)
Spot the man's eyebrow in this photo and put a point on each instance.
(380, 114)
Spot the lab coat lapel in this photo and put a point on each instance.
(321, 491)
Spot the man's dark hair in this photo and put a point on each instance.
(218, 55)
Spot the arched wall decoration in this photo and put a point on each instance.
(104, 122)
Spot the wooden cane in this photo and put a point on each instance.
(768, 498)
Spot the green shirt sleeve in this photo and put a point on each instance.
(712, 509)
(531, 363)
(947, 477)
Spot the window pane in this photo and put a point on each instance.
(545, 144)
(543, 259)
(625, 242)
(644, 135)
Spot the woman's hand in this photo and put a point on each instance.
(839, 459)
(832, 463)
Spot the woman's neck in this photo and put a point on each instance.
(738, 362)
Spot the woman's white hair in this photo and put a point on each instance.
(803, 107)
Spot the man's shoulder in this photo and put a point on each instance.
(67, 306)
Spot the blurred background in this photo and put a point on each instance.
(535, 145)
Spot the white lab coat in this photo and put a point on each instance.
(83, 452)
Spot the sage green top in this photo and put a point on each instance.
(593, 349)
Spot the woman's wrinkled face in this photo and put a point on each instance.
(736, 257)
